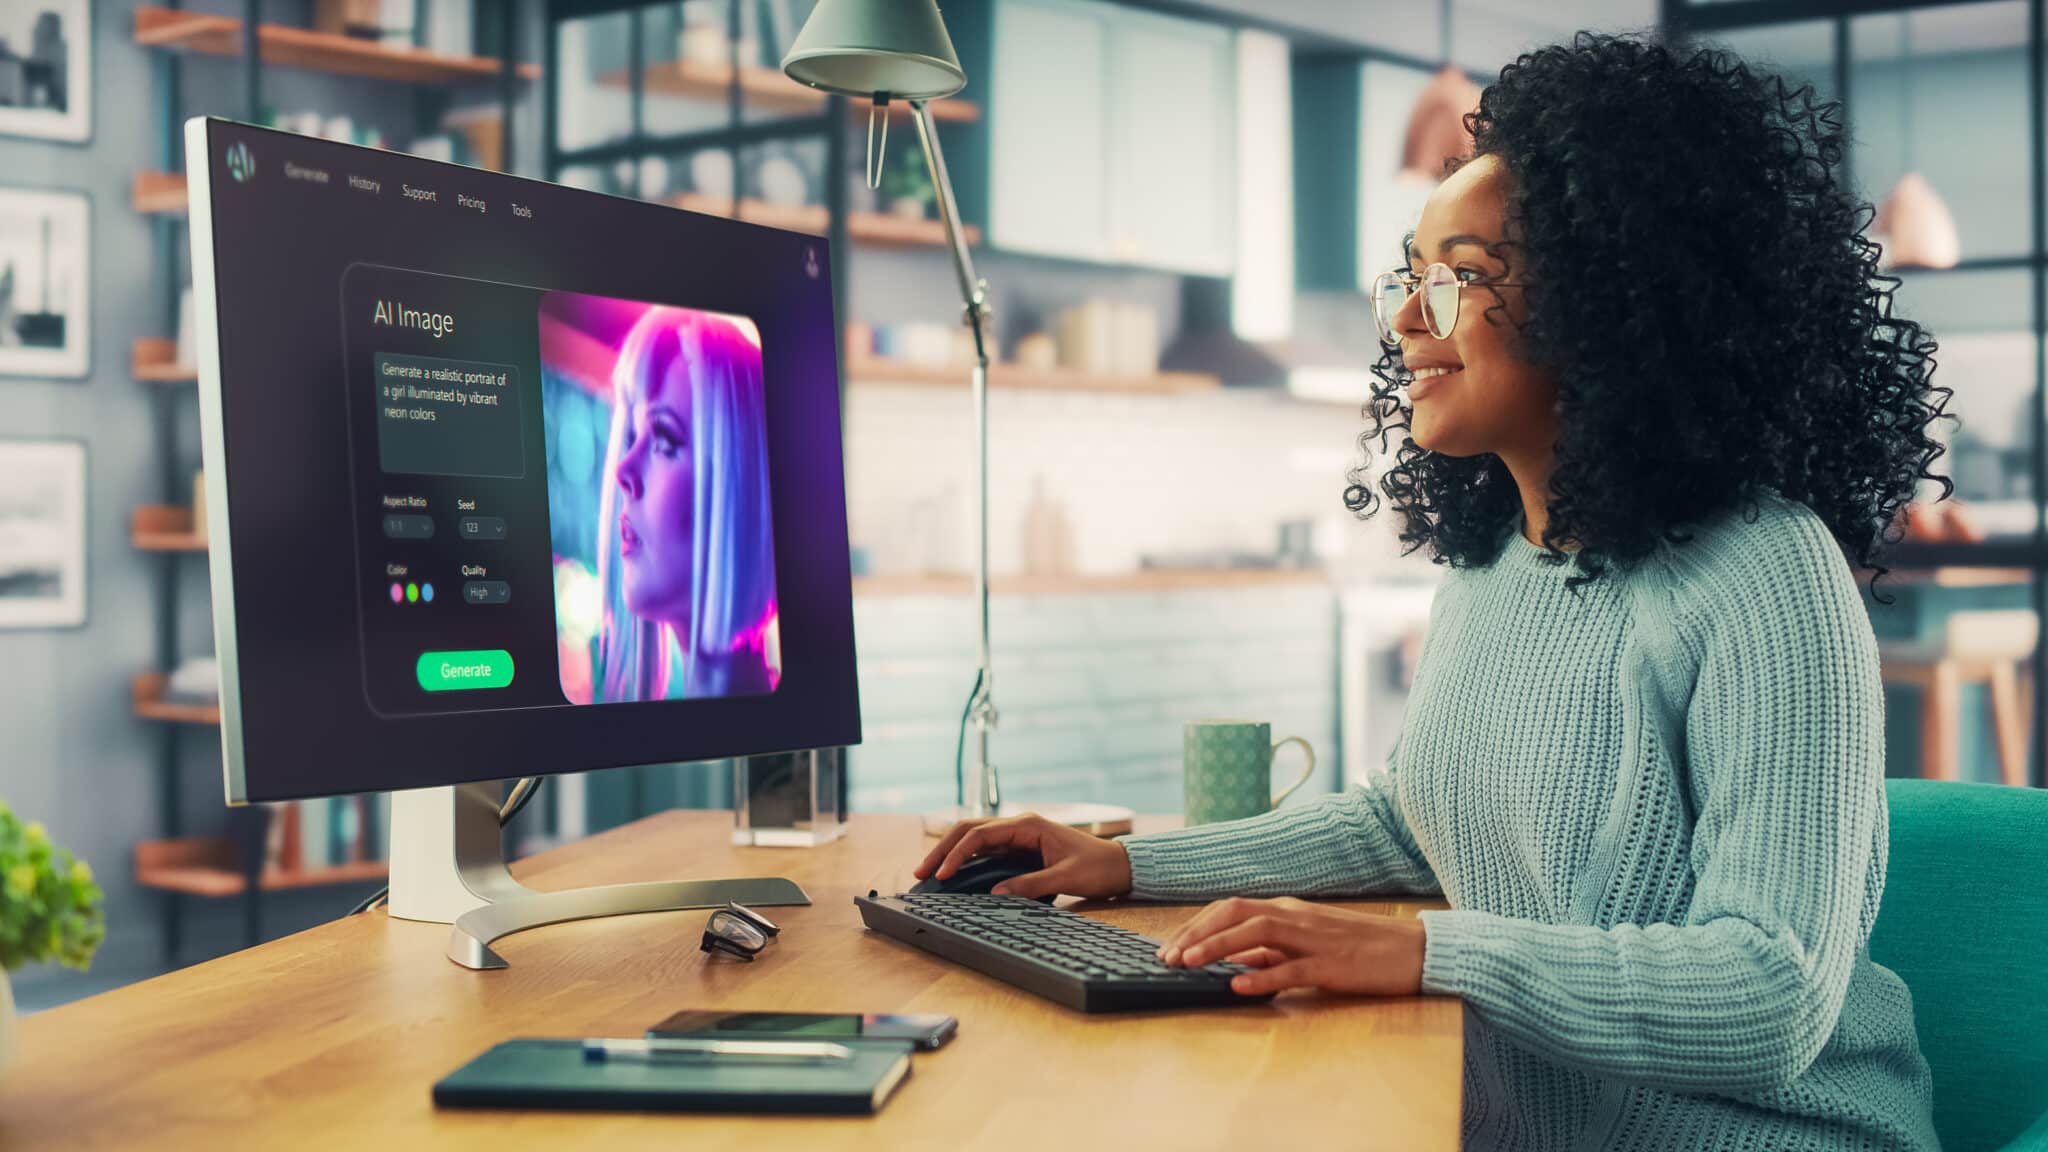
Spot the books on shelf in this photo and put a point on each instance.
(389, 22)
(450, 28)
(315, 852)
(195, 682)
(1117, 337)
(327, 832)
(345, 829)
(281, 834)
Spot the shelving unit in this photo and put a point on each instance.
(153, 360)
(158, 192)
(148, 694)
(768, 116)
(164, 528)
(878, 228)
(1087, 583)
(766, 109)
(782, 111)
(765, 90)
(174, 864)
(284, 46)
(878, 371)
(212, 866)
(148, 688)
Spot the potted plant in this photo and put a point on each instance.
(909, 188)
(49, 910)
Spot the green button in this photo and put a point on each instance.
(460, 671)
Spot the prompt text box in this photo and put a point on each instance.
(439, 417)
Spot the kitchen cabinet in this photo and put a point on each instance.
(1113, 136)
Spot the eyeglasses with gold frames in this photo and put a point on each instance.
(1441, 290)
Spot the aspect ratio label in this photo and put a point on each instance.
(439, 417)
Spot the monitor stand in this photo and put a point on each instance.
(448, 867)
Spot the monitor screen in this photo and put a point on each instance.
(511, 478)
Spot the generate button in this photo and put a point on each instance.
(461, 671)
(486, 592)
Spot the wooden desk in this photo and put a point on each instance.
(332, 1038)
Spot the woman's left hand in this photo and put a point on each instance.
(1295, 944)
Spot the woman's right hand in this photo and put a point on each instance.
(1076, 863)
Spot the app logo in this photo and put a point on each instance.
(241, 164)
(811, 261)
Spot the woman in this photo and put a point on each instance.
(686, 557)
(1654, 392)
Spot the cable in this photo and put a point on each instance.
(960, 748)
(369, 902)
(523, 792)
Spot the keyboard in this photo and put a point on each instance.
(1070, 959)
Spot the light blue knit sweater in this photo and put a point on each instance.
(1656, 808)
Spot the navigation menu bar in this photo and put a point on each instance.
(450, 195)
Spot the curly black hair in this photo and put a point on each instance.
(1704, 295)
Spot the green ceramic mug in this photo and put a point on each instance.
(1229, 767)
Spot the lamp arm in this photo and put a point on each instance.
(973, 292)
(986, 798)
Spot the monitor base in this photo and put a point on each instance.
(448, 866)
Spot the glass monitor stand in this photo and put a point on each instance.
(448, 867)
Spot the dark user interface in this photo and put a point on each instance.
(497, 451)
(451, 491)
(562, 497)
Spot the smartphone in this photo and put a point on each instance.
(923, 1032)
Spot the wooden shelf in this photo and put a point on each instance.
(285, 46)
(155, 361)
(863, 227)
(1084, 584)
(164, 528)
(158, 193)
(766, 90)
(1954, 577)
(148, 691)
(877, 371)
(207, 866)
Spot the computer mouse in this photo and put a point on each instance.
(982, 873)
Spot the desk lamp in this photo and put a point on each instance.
(881, 51)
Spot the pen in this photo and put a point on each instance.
(644, 1049)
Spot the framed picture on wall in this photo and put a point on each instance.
(45, 261)
(46, 69)
(42, 533)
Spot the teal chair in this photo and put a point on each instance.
(1965, 923)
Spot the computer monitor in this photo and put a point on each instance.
(507, 479)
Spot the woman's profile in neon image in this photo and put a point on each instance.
(686, 554)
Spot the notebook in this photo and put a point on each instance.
(556, 1074)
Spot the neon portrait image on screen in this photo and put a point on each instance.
(658, 501)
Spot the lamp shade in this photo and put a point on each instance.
(1436, 127)
(1917, 229)
(867, 48)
